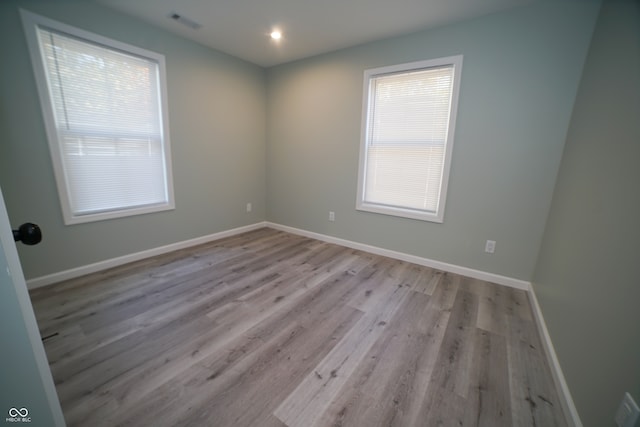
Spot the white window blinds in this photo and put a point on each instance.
(105, 124)
(405, 143)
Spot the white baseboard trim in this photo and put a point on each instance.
(452, 268)
(561, 384)
(556, 371)
(125, 259)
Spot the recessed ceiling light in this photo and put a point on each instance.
(276, 35)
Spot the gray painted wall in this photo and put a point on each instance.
(217, 127)
(519, 79)
(587, 275)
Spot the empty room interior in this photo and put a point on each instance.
(299, 213)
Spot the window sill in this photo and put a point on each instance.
(401, 212)
(70, 219)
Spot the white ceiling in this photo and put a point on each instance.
(241, 27)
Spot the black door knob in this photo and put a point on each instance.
(28, 233)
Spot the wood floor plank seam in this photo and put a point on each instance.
(268, 328)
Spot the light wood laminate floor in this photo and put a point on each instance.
(268, 328)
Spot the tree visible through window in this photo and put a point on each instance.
(106, 121)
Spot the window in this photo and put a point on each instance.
(407, 135)
(104, 106)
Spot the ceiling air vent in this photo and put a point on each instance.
(185, 21)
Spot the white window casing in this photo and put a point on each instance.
(408, 123)
(105, 110)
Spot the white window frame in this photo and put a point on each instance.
(406, 212)
(31, 22)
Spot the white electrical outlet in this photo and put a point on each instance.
(490, 246)
(249, 207)
(628, 412)
(332, 216)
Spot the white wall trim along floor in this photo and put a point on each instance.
(137, 256)
(561, 384)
